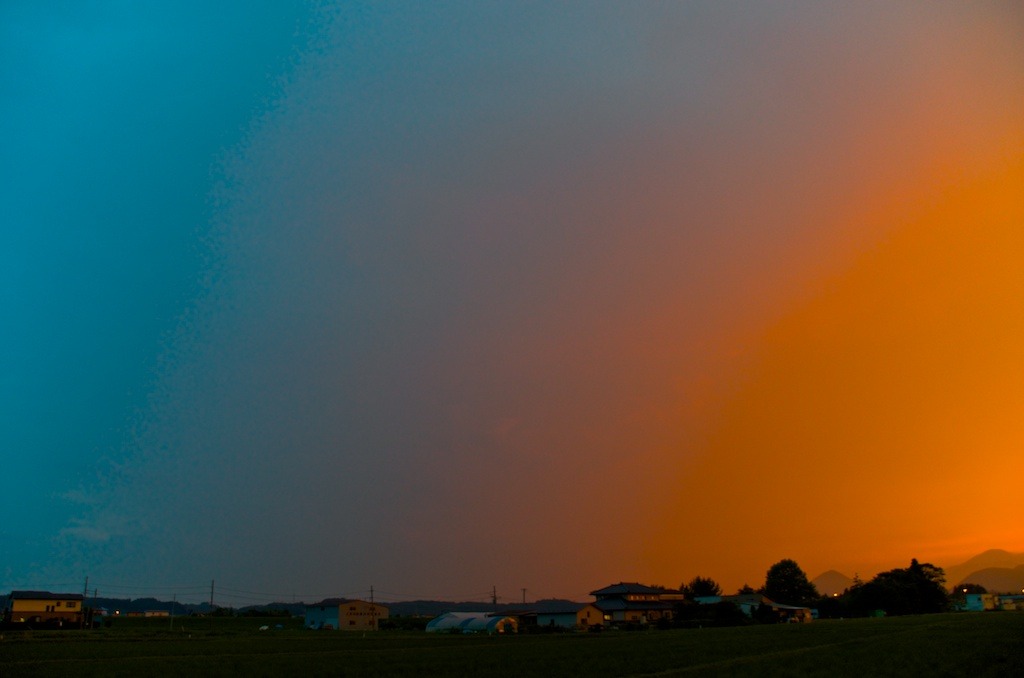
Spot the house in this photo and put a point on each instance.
(345, 614)
(749, 603)
(978, 602)
(632, 603)
(473, 622)
(45, 608)
(1011, 601)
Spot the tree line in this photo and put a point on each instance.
(917, 589)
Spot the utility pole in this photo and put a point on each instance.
(211, 592)
(174, 600)
(373, 611)
(81, 609)
(524, 596)
(494, 595)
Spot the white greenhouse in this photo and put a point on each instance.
(472, 622)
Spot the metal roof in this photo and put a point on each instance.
(44, 595)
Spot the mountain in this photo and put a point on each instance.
(993, 559)
(831, 582)
(997, 579)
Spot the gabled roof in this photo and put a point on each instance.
(44, 595)
(626, 588)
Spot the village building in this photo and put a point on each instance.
(629, 603)
(980, 602)
(749, 603)
(45, 608)
(344, 614)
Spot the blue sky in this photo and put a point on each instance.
(117, 116)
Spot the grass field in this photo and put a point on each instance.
(975, 644)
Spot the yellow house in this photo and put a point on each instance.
(344, 614)
(43, 607)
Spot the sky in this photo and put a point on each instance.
(455, 297)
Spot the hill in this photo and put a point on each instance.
(831, 582)
(997, 579)
(995, 565)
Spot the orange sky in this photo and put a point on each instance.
(882, 418)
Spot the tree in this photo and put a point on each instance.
(918, 589)
(786, 583)
(700, 587)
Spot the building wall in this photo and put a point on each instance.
(28, 609)
(565, 620)
(320, 617)
(359, 615)
(350, 615)
(589, 616)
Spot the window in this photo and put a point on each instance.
(71, 604)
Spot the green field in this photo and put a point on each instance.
(976, 644)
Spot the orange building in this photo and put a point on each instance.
(344, 614)
(44, 608)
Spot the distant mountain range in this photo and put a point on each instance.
(997, 570)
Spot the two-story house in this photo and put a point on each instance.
(632, 603)
(43, 607)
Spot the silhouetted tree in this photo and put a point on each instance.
(786, 583)
(745, 589)
(918, 589)
(700, 587)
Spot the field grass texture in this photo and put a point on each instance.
(977, 644)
